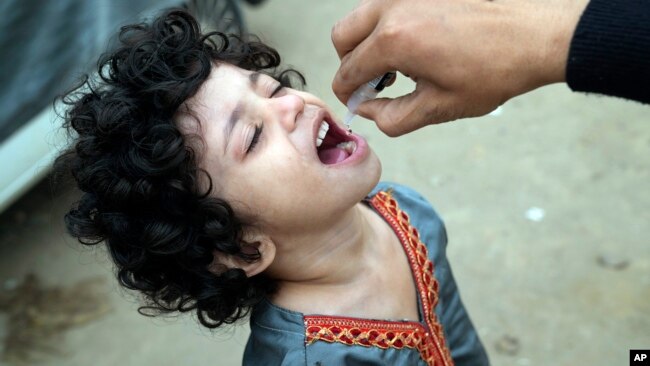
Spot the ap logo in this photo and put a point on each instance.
(639, 357)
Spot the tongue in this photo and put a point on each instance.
(332, 155)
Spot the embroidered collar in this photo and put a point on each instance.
(427, 338)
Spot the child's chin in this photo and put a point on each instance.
(365, 180)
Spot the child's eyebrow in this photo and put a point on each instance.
(253, 77)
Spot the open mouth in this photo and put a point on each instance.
(333, 144)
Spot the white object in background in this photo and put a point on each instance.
(535, 214)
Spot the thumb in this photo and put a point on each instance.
(398, 116)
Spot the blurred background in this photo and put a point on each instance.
(546, 203)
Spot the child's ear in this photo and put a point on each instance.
(250, 244)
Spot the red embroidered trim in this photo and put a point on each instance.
(387, 334)
(367, 333)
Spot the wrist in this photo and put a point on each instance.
(562, 20)
(542, 33)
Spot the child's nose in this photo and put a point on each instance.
(287, 108)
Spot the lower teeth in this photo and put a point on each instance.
(348, 146)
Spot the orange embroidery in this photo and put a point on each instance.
(387, 334)
(382, 334)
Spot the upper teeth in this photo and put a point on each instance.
(322, 131)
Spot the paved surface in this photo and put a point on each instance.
(547, 208)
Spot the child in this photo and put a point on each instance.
(219, 189)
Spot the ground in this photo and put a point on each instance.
(546, 204)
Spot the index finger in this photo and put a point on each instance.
(396, 117)
(348, 32)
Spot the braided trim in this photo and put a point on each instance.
(367, 333)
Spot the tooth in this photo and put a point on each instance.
(349, 146)
(322, 131)
(324, 126)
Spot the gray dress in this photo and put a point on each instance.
(444, 334)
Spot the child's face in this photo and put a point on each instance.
(260, 151)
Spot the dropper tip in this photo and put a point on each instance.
(348, 118)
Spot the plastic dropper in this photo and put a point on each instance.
(366, 92)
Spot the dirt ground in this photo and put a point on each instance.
(547, 208)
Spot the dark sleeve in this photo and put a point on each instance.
(610, 50)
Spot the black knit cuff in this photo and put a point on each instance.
(610, 50)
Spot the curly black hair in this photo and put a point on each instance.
(139, 174)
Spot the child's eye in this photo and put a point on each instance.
(276, 90)
(256, 138)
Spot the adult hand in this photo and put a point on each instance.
(467, 57)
